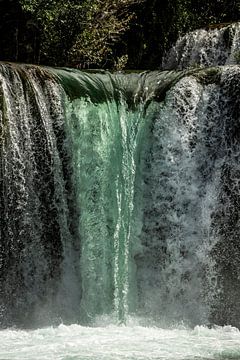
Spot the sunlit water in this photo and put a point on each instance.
(112, 342)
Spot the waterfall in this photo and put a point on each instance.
(119, 196)
(217, 46)
(105, 139)
(188, 212)
(36, 241)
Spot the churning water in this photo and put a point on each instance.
(111, 342)
(119, 203)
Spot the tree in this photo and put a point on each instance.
(81, 34)
(159, 23)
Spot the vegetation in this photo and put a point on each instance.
(103, 33)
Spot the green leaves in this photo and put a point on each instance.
(79, 34)
(112, 33)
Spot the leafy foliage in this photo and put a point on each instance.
(160, 22)
(103, 33)
(79, 33)
(107, 20)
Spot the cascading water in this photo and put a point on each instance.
(104, 161)
(219, 46)
(187, 206)
(75, 162)
(35, 232)
(119, 197)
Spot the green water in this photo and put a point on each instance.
(107, 142)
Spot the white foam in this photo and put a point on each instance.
(120, 342)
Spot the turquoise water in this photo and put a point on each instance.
(107, 143)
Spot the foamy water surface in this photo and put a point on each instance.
(112, 342)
